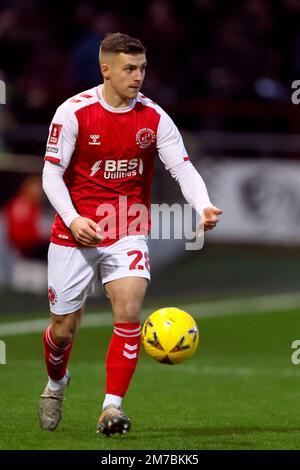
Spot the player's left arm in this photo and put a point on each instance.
(194, 190)
(173, 154)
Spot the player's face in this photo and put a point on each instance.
(127, 74)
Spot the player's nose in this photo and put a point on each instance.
(138, 76)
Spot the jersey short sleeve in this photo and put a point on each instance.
(170, 147)
(62, 136)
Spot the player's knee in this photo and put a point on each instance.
(63, 337)
(64, 327)
(63, 333)
(128, 311)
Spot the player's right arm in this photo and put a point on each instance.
(60, 147)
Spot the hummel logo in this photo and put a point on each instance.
(56, 358)
(94, 139)
(129, 356)
(130, 348)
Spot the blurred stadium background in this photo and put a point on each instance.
(224, 72)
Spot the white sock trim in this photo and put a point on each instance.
(112, 400)
(58, 384)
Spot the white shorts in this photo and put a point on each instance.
(72, 271)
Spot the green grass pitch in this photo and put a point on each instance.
(239, 391)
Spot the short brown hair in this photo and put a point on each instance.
(118, 42)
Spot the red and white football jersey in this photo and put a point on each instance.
(108, 153)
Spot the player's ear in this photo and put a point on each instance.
(105, 71)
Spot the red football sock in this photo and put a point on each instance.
(122, 357)
(56, 357)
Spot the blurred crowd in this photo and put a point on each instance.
(237, 50)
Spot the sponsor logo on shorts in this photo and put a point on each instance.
(145, 137)
(52, 149)
(52, 295)
(55, 133)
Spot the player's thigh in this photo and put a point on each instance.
(126, 296)
(125, 273)
(128, 257)
(70, 274)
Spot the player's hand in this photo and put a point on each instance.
(210, 218)
(85, 231)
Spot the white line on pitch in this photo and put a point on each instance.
(250, 305)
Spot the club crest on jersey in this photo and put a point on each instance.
(94, 139)
(145, 137)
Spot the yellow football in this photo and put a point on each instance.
(170, 335)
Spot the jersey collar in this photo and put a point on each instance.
(111, 108)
